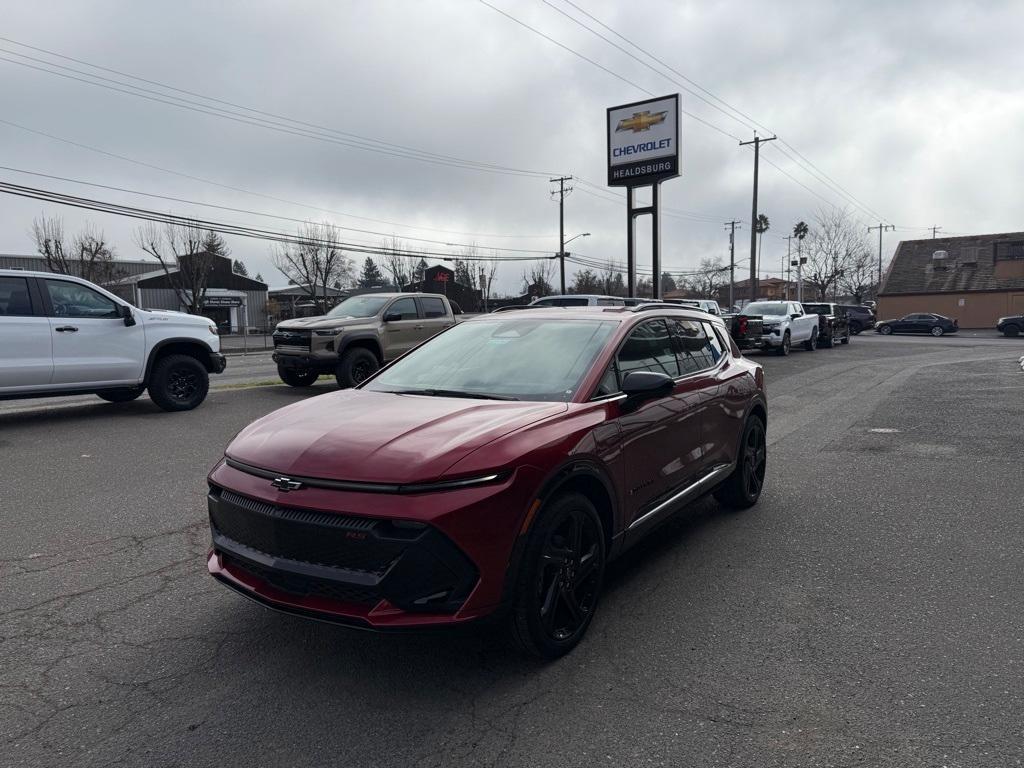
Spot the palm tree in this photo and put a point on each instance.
(760, 226)
(799, 232)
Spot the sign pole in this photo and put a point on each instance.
(656, 242)
(630, 245)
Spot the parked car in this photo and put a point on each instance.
(833, 325)
(708, 305)
(781, 324)
(61, 335)
(580, 300)
(921, 322)
(493, 471)
(861, 317)
(358, 336)
(1011, 326)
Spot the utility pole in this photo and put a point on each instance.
(753, 215)
(732, 259)
(934, 230)
(881, 228)
(787, 266)
(562, 192)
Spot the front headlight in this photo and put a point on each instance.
(213, 329)
(328, 332)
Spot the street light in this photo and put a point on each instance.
(561, 257)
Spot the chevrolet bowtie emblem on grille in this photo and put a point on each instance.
(285, 484)
(641, 121)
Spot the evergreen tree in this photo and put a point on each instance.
(668, 282)
(259, 278)
(239, 268)
(421, 270)
(214, 244)
(371, 276)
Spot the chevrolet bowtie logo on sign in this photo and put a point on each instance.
(643, 142)
(641, 121)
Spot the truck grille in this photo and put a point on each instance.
(291, 341)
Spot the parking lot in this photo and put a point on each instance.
(866, 612)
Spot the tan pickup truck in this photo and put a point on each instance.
(358, 336)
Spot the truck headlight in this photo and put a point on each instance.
(328, 332)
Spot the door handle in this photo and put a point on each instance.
(68, 328)
(417, 327)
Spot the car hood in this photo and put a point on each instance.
(323, 321)
(379, 437)
(171, 316)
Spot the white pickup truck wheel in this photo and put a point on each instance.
(783, 349)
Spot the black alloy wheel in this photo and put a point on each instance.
(298, 377)
(937, 331)
(179, 383)
(356, 366)
(743, 487)
(560, 579)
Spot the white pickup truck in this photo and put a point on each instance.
(783, 324)
(61, 335)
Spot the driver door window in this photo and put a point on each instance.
(402, 335)
(649, 348)
(79, 301)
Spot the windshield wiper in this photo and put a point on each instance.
(452, 393)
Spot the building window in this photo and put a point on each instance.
(1009, 251)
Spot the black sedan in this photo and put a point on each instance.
(1011, 326)
(920, 322)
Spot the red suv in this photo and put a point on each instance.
(495, 469)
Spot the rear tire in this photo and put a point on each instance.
(937, 331)
(178, 383)
(560, 579)
(121, 395)
(743, 487)
(812, 343)
(829, 342)
(297, 377)
(356, 366)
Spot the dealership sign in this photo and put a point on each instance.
(222, 301)
(643, 142)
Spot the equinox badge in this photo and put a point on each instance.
(285, 484)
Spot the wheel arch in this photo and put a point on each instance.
(364, 341)
(178, 346)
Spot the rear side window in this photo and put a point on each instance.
(648, 348)
(14, 298)
(697, 350)
(433, 307)
(76, 300)
(568, 302)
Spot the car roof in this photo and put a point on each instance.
(616, 314)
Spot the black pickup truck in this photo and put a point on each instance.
(745, 331)
(833, 323)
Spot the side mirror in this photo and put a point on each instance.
(390, 317)
(126, 314)
(795, 315)
(644, 385)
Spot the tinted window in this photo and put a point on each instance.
(696, 350)
(715, 348)
(14, 298)
(565, 303)
(648, 348)
(76, 300)
(432, 307)
(404, 307)
(609, 382)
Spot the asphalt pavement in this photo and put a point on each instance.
(867, 612)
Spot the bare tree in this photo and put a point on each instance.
(836, 240)
(187, 265)
(396, 261)
(89, 256)
(538, 277)
(314, 263)
(859, 277)
(708, 278)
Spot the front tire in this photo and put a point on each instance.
(121, 395)
(297, 377)
(1011, 330)
(178, 383)
(885, 330)
(743, 487)
(560, 579)
(783, 350)
(356, 366)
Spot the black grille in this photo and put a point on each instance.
(288, 338)
(303, 585)
(306, 536)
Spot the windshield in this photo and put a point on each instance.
(766, 308)
(506, 358)
(359, 306)
(817, 309)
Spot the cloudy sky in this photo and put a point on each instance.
(912, 110)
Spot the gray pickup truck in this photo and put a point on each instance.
(358, 336)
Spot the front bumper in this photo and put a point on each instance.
(373, 560)
(217, 362)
